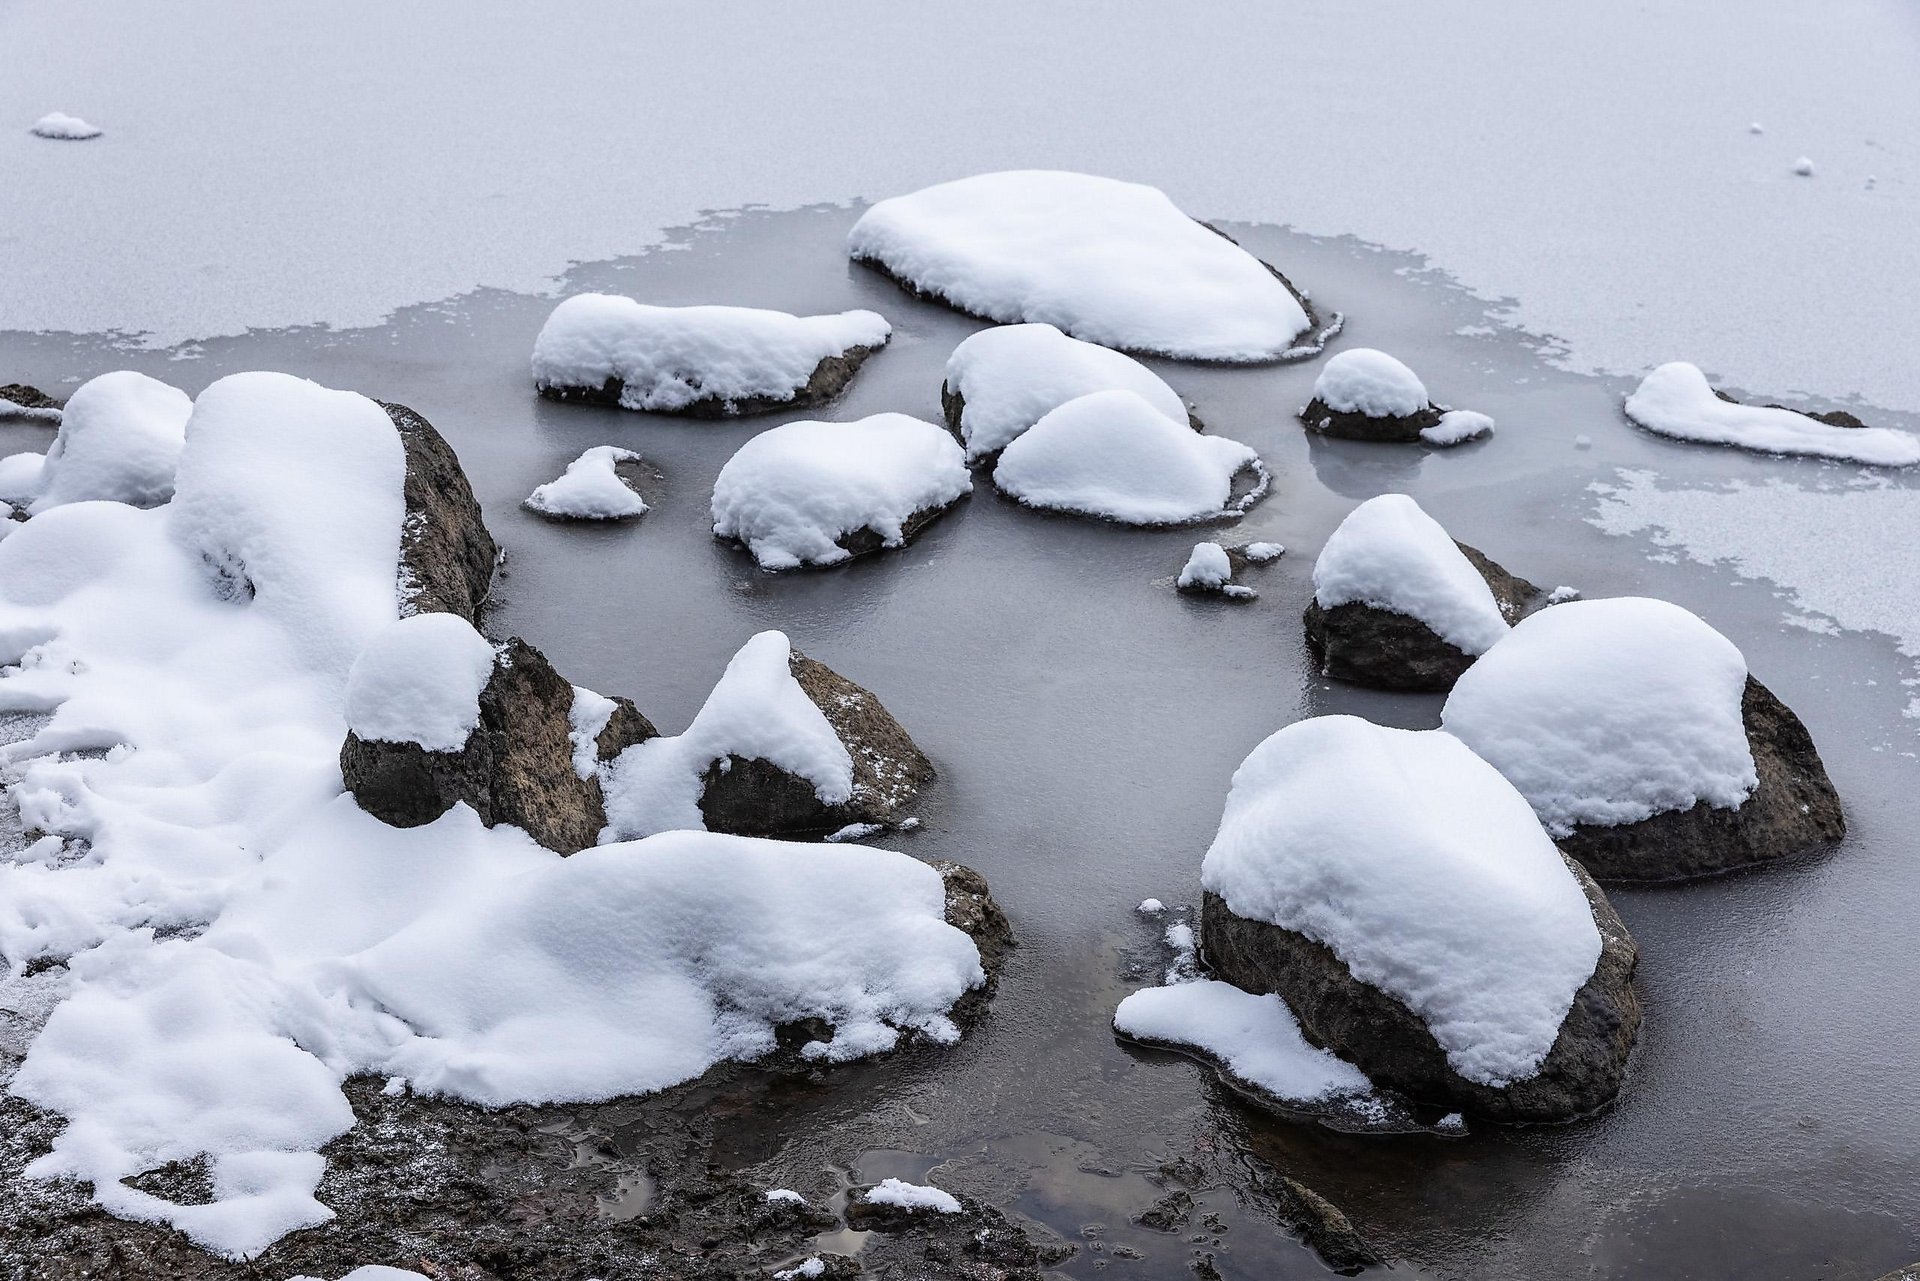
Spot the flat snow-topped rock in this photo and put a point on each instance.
(591, 489)
(18, 400)
(1002, 381)
(1363, 394)
(1400, 605)
(1401, 897)
(1110, 262)
(120, 441)
(1642, 742)
(1113, 455)
(818, 493)
(1676, 400)
(704, 361)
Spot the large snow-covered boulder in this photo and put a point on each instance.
(120, 440)
(1003, 380)
(1364, 394)
(1643, 743)
(1676, 400)
(1404, 901)
(591, 488)
(446, 554)
(819, 493)
(1112, 454)
(783, 746)
(1399, 605)
(1110, 262)
(709, 362)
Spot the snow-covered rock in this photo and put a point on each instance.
(1676, 400)
(1643, 744)
(1400, 605)
(1110, 262)
(591, 489)
(1003, 380)
(120, 439)
(1113, 455)
(707, 361)
(18, 400)
(894, 1204)
(1404, 901)
(818, 493)
(1364, 394)
(783, 746)
(418, 681)
(446, 554)
(59, 125)
(1210, 568)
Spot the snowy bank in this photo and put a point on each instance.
(1110, 262)
(1364, 394)
(706, 361)
(591, 489)
(1676, 400)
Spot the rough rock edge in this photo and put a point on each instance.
(1403, 429)
(446, 554)
(1794, 809)
(1376, 1032)
(829, 378)
(1831, 417)
(953, 404)
(18, 400)
(1385, 649)
(1320, 1223)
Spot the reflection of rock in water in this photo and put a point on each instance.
(1361, 470)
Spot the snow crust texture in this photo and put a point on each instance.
(1361, 380)
(1255, 1038)
(1388, 553)
(1676, 400)
(120, 439)
(590, 489)
(419, 681)
(1456, 427)
(1110, 262)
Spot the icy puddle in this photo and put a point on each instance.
(1085, 719)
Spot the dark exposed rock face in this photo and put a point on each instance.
(21, 396)
(829, 378)
(1832, 417)
(1794, 809)
(755, 797)
(624, 727)
(446, 554)
(1356, 426)
(1392, 1044)
(1320, 1224)
(1370, 646)
(865, 542)
(972, 911)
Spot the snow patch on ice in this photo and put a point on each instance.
(66, 128)
(1261, 553)
(590, 488)
(911, 1196)
(1390, 554)
(419, 681)
(1676, 400)
(1255, 1038)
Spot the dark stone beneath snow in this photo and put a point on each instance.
(1371, 646)
(755, 797)
(1392, 1045)
(1794, 809)
(25, 397)
(1346, 425)
(954, 405)
(829, 378)
(446, 554)
(1831, 417)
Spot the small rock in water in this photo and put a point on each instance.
(1755, 128)
(1150, 907)
(1451, 1124)
(1261, 553)
(1583, 441)
(1803, 167)
(65, 128)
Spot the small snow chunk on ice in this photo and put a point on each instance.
(1008, 378)
(1255, 1038)
(669, 359)
(1676, 400)
(66, 128)
(1756, 128)
(1113, 455)
(1361, 380)
(590, 489)
(1804, 167)
(806, 1269)
(1421, 868)
(792, 492)
(1261, 553)
(1110, 262)
(419, 681)
(1609, 711)
(1390, 554)
(1457, 426)
(911, 1196)
(855, 832)
(1452, 1124)
(1206, 567)
(1150, 907)
(120, 440)
(775, 1196)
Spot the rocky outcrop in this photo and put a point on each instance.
(1831, 417)
(829, 378)
(1390, 1043)
(21, 401)
(1372, 646)
(1794, 809)
(446, 554)
(755, 797)
(1347, 425)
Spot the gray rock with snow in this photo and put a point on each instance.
(446, 554)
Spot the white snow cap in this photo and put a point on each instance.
(1804, 167)
(666, 358)
(791, 491)
(1110, 262)
(1256, 1038)
(1261, 553)
(120, 439)
(1610, 711)
(757, 711)
(590, 489)
(911, 1196)
(1208, 566)
(1013, 375)
(66, 128)
(419, 681)
(1112, 454)
(1361, 380)
(1422, 869)
(777, 1195)
(804, 1270)
(1390, 554)
(1457, 426)
(1676, 400)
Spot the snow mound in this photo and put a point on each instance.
(777, 1195)
(590, 489)
(757, 710)
(1609, 711)
(1208, 566)
(1421, 868)
(1011, 376)
(1112, 454)
(120, 440)
(911, 1196)
(804, 1270)
(1110, 262)
(1390, 554)
(1255, 1038)
(20, 476)
(1676, 400)
(668, 358)
(1361, 380)
(1456, 427)
(66, 128)
(792, 492)
(419, 681)
(1261, 553)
